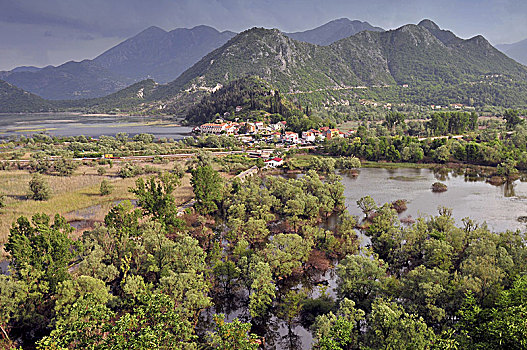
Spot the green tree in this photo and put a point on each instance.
(393, 119)
(65, 167)
(262, 289)
(208, 189)
(40, 253)
(339, 331)
(286, 252)
(390, 327)
(105, 188)
(232, 336)
(512, 118)
(361, 279)
(39, 189)
(155, 198)
(367, 205)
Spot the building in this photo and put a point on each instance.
(274, 162)
(308, 136)
(330, 133)
(290, 136)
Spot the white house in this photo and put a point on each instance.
(308, 136)
(290, 136)
(274, 162)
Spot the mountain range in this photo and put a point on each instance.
(152, 54)
(416, 55)
(420, 64)
(518, 51)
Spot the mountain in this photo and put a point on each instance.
(153, 53)
(15, 100)
(5, 74)
(421, 64)
(418, 55)
(333, 31)
(160, 55)
(72, 80)
(131, 99)
(518, 51)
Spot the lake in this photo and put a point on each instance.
(69, 124)
(498, 206)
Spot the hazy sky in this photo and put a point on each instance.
(42, 32)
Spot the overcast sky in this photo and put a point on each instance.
(42, 32)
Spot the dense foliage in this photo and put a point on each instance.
(151, 279)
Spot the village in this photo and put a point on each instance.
(249, 132)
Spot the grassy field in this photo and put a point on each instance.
(76, 197)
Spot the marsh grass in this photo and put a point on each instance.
(76, 197)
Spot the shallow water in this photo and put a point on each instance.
(64, 124)
(498, 206)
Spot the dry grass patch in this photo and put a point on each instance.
(76, 197)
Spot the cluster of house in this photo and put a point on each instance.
(234, 128)
(272, 132)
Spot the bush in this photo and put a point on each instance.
(101, 171)
(128, 170)
(439, 187)
(38, 188)
(2, 201)
(399, 205)
(106, 188)
(65, 167)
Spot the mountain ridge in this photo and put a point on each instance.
(408, 54)
(332, 31)
(517, 50)
(151, 54)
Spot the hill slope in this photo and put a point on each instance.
(153, 53)
(160, 55)
(72, 80)
(15, 100)
(420, 55)
(333, 31)
(517, 51)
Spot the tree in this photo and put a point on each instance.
(339, 331)
(38, 188)
(41, 249)
(286, 252)
(208, 189)
(512, 118)
(390, 327)
(263, 290)
(40, 253)
(367, 205)
(232, 336)
(65, 167)
(155, 198)
(393, 119)
(361, 279)
(105, 188)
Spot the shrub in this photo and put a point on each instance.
(439, 187)
(65, 167)
(2, 201)
(106, 188)
(399, 205)
(101, 170)
(38, 188)
(128, 170)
